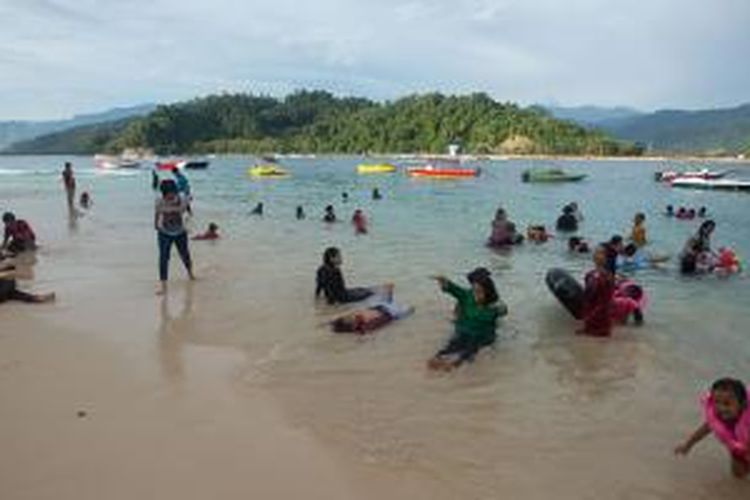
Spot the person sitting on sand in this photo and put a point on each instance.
(18, 235)
(477, 312)
(85, 200)
(538, 234)
(329, 216)
(359, 221)
(212, 233)
(329, 281)
(638, 233)
(567, 222)
(258, 210)
(503, 231)
(599, 288)
(727, 416)
(10, 291)
(578, 245)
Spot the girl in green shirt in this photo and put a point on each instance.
(477, 311)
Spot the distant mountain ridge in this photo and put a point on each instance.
(19, 130)
(592, 115)
(712, 131)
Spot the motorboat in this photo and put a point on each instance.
(550, 175)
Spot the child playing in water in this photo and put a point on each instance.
(18, 236)
(85, 200)
(638, 234)
(212, 233)
(578, 245)
(727, 416)
(537, 234)
(258, 210)
(366, 320)
(359, 221)
(329, 216)
(477, 312)
(599, 288)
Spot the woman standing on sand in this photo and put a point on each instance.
(168, 222)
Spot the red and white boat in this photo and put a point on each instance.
(706, 174)
(443, 169)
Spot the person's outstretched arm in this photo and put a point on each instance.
(697, 436)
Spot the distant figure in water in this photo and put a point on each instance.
(85, 200)
(578, 245)
(212, 233)
(537, 234)
(258, 210)
(329, 215)
(376, 194)
(154, 180)
(344, 196)
(681, 213)
(727, 417)
(638, 233)
(702, 212)
(300, 212)
(576, 211)
(359, 221)
(503, 231)
(477, 310)
(598, 294)
(670, 211)
(69, 181)
(567, 221)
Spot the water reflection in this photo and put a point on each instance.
(172, 328)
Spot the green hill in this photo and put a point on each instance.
(719, 131)
(318, 122)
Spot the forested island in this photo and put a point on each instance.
(319, 122)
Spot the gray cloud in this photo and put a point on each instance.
(58, 57)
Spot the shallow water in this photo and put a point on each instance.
(544, 413)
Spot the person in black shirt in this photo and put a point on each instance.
(567, 221)
(330, 282)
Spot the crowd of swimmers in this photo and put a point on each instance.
(609, 297)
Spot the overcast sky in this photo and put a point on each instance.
(61, 57)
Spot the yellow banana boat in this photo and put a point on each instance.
(379, 168)
(267, 170)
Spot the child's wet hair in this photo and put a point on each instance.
(330, 254)
(736, 387)
(483, 277)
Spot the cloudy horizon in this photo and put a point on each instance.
(64, 57)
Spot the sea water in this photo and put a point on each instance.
(543, 414)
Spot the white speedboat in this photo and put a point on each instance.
(721, 184)
(115, 162)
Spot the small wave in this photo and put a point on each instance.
(23, 171)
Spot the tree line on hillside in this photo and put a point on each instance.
(319, 122)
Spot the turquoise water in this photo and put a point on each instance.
(542, 392)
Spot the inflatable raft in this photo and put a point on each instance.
(567, 290)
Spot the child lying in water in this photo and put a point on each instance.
(366, 320)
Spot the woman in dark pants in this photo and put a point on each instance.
(168, 221)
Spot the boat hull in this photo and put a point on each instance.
(715, 184)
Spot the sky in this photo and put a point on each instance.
(64, 57)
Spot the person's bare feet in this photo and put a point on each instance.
(46, 297)
(162, 288)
